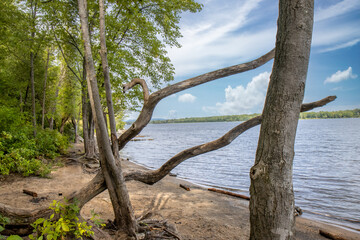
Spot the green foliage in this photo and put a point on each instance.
(244, 117)
(51, 143)
(19, 150)
(355, 113)
(229, 118)
(68, 223)
(96, 220)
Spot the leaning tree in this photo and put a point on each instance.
(113, 178)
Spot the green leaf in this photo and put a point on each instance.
(14, 237)
(1, 228)
(39, 221)
(52, 216)
(41, 238)
(65, 227)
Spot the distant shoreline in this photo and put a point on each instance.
(355, 113)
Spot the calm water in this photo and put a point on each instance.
(326, 164)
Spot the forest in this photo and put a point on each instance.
(69, 70)
(244, 117)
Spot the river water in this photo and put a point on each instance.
(326, 164)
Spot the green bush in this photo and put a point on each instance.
(50, 143)
(68, 224)
(19, 150)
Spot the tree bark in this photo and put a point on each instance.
(271, 190)
(114, 179)
(88, 121)
(32, 81)
(44, 89)
(73, 121)
(32, 69)
(105, 66)
(53, 109)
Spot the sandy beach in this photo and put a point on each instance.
(197, 214)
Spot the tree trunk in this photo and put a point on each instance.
(272, 197)
(44, 89)
(32, 81)
(73, 121)
(88, 122)
(53, 108)
(63, 122)
(113, 175)
(105, 66)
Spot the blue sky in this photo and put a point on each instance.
(230, 32)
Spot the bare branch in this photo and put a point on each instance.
(148, 108)
(309, 106)
(207, 77)
(153, 176)
(143, 84)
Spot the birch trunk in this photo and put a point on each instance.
(272, 196)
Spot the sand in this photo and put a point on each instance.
(197, 214)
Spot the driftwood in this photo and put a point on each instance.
(186, 187)
(31, 193)
(229, 193)
(330, 235)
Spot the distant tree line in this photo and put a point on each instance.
(355, 113)
(244, 117)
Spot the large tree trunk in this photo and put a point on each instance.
(105, 66)
(44, 90)
(113, 175)
(87, 119)
(272, 197)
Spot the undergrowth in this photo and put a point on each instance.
(20, 152)
(66, 225)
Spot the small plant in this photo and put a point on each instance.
(100, 223)
(67, 223)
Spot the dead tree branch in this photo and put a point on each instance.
(149, 106)
(153, 176)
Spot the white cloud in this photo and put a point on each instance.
(331, 35)
(340, 76)
(342, 45)
(240, 100)
(187, 97)
(219, 35)
(337, 9)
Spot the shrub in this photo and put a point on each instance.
(19, 150)
(68, 224)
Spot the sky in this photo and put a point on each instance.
(231, 32)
